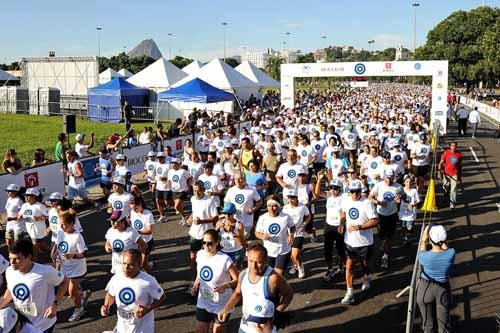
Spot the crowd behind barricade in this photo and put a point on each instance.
(254, 193)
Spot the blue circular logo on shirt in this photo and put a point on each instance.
(54, 220)
(118, 245)
(407, 199)
(388, 196)
(175, 179)
(207, 185)
(126, 296)
(453, 160)
(317, 147)
(350, 136)
(303, 153)
(291, 173)
(206, 273)
(28, 212)
(424, 150)
(21, 292)
(353, 213)
(397, 158)
(160, 170)
(138, 225)
(239, 198)
(258, 308)
(373, 165)
(63, 247)
(359, 69)
(118, 205)
(220, 144)
(151, 167)
(274, 229)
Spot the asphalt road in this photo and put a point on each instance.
(473, 230)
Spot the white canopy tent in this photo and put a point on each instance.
(255, 74)
(221, 75)
(193, 68)
(125, 73)
(108, 75)
(158, 76)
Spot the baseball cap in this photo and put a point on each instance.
(290, 192)
(229, 208)
(336, 183)
(161, 154)
(335, 149)
(437, 233)
(355, 186)
(118, 180)
(55, 196)
(79, 136)
(151, 154)
(235, 142)
(175, 160)
(120, 157)
(13, 188)
(33, 191)
(388, 173)
(8, 319)
(117, 215)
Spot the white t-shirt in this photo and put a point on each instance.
(71, 244)
(12, 207)
(305, 154)
(203, 209)
(298, 215)
(178, 180)
(150, 167)
(387, 194)
(212, 183)
(278, 230)
(36, 229)
(120, 242)
(75, 182)
(290, 172)
(213, 271)
(121, 171)
(162, 172)
(349, 139)
(129, 293)
(120, 202)
(400, 158)
(140, 221)
(406, 211)
(474, 117)
(195, 169)
(333, 208)
(421, 150)
(243, 199)
(358, 212)
(34, 292)
(319, 147)
(373, 167)
(81, 150)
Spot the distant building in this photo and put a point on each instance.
(259, 59)
(402, 53)
(290, 57)
(320, 55)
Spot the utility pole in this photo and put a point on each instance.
(415, 5)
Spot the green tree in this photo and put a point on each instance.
(181, 62)
(308, 57)
(469, 41)
(273, 67)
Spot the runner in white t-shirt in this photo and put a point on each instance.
(142, 220)
(179, 180)
(408, 208)
(149, 170)
(16, 228)
(136, 294)
(119, 199)
(34, 214)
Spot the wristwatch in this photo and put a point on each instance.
(359, 227)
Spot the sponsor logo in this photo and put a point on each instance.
(353, 213)
(31, 180)
(359, 69)
(206, 273)
(126, 296)
(21, 292)
(274, 229)
(418, 66)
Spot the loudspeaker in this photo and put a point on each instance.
(69, 125)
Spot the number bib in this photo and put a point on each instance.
(126, 315)
(27, 309)
(209, 294)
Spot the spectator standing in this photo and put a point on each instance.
(474, 119)
(463, 115)
(61, 147)
(81, 148)
(127, 115)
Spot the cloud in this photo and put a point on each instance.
(383, 41)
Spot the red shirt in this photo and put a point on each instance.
(452, 162)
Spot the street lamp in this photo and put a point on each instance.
(370, 42)
(415, 5)
(98, 29)
(170, 44)
(288, 39)
(224, 25)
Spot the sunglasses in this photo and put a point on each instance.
(207, 243)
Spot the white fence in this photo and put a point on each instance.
(486, 109)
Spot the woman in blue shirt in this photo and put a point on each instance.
(255, 178)
(433, 288)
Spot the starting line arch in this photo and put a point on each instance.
(438, 69)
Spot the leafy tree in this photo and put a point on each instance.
(273, 67)
(181, 62)
(308, 57)
(469, 41)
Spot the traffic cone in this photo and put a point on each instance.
(430, 199)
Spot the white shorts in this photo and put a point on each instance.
(74, 268)
(15, 229)
(36, 230)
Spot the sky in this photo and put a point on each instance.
(69, 26)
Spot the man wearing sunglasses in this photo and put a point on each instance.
(358, 217)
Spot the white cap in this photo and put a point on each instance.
(13, 188)
(335, 149)
(161, 154)
(336, 182)
(437, 234)
(78, 137)
(355, 186)
(118, 180)
(8, 319)
(175, 160)
(290, 192)
(235, 142)
(388, 173)
(33, 191)
(120, 157)
(56, 196)
(151, 154)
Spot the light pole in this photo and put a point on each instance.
(370, 42)
(224, 25)
(98, 29)
(288, 39)
(170, 43)
(415, 5)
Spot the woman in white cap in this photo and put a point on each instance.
(15, 228)
(433, 287)
(54, 224)
(149, 170)
(232, 235)
(119, 199)
(143, 221)
(34, 214)
(11, 321)
(179, 181)
(120, 168)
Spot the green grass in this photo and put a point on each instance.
(25, 133)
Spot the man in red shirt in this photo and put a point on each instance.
(451, 162)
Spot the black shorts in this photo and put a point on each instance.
(151, 247)
(298, 242)
(195, 245)
(387, 226)
(163, 195)
(318, 166)
(280, 262)
(361, 253)
(106, 185)
(420, 170)
(208, 317)
(179, 195)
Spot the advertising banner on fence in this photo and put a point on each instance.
(91, 176)
(136, 157)
(47, 179)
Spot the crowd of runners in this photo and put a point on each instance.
(365, 153)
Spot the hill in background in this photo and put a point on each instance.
(148, 48)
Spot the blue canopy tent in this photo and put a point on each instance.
(196, 91)
(105, 101)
